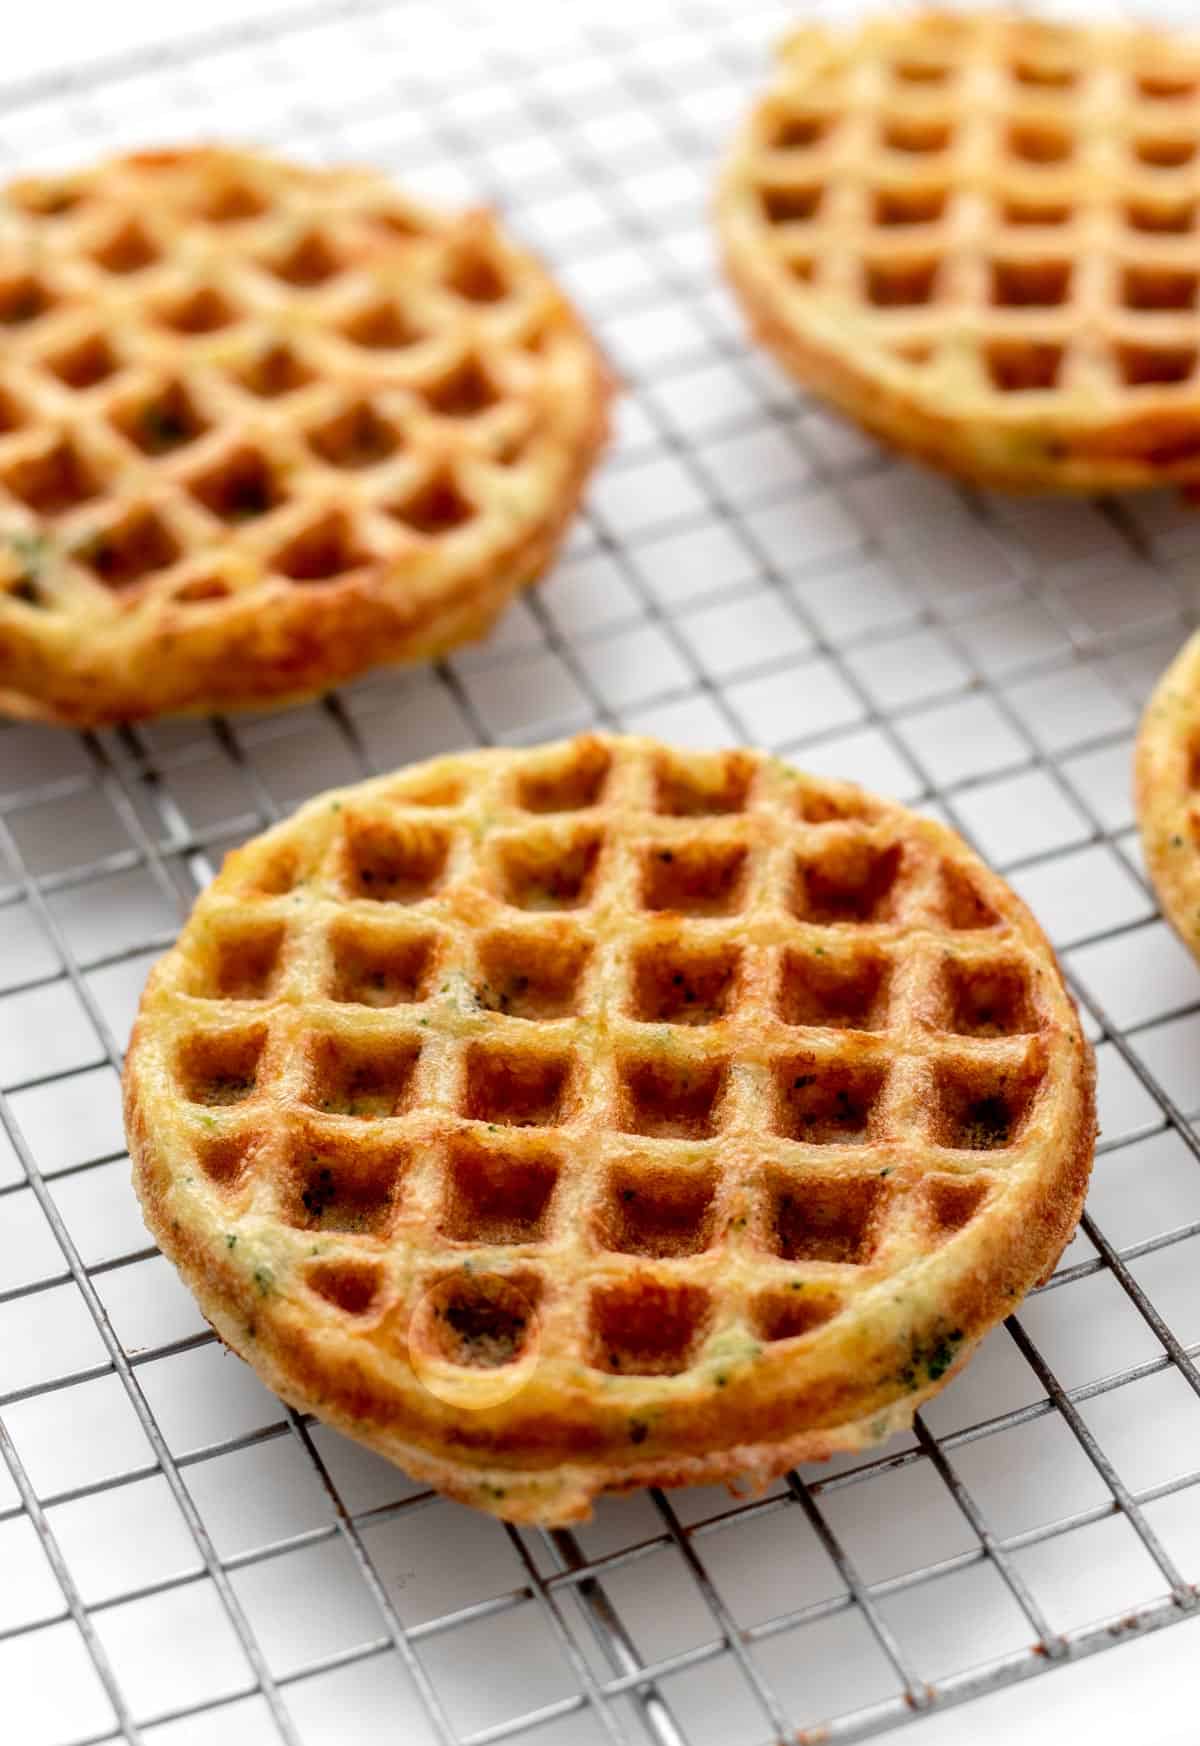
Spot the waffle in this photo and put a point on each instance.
(602, 1115)
(262, 427)
(977, 237)
(1167, 786)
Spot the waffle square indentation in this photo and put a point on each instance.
(1024, 366)
(1167, 216)
(951, 1202)
(647, 1327)
(800, 130)
(54, 481)
(244, 962)
(367, 1076)
(550, 869)
(241, 487)
(531, 974)
(1025, 209)
(341, 1184)
(202, 310)
(381, 327)
(478, 1321)
(465, 392)
(817, 987)
(85, 363)
(901, 281)
(677, 982)
(650, 1209)
(515, 1088)
(496, 1193)
(568, 784)
(903, 205)
(23, 298)
(1031, 282)
(393, 862)
(327, 548)
(1157, 286)
(307, 262)
(231, 201)
(167, 419)
(668, 1097)
(434, 508)
(1162, 366)
(983, 1106)
(130, 550)
(700, 877)
(225, 1159)
(476, 276)
(918, 134)
(825, 1218)
(220, 1066)
(129, 249)
(1165, 151)
(380, 967)
(275, 371)
(702, 787)
(989, 998)
(350, 1286)
(354, 438)
(792, 204)
(793, 1311)
(827, 1103)
(851, 879)
(1041, 142)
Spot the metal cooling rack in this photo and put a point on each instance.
(183, 1561)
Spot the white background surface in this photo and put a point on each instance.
(749, 569)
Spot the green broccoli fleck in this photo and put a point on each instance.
(929, 1362)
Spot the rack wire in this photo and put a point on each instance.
(181, 1553)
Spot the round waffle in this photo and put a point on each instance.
(603, 1115)
(262, 427)
(977, 237)
(1167, 786)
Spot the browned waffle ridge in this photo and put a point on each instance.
(976, 235)
(734, 1104)
(264, 426)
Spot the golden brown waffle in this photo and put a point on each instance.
(977, 236)
(683, 1116)
(1167, 783)
(262, 427)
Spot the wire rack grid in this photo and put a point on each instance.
(186, 1561)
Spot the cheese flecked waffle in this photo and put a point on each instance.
(603, 1115)
(976, 235)
(1167, 786)
(264, 426)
